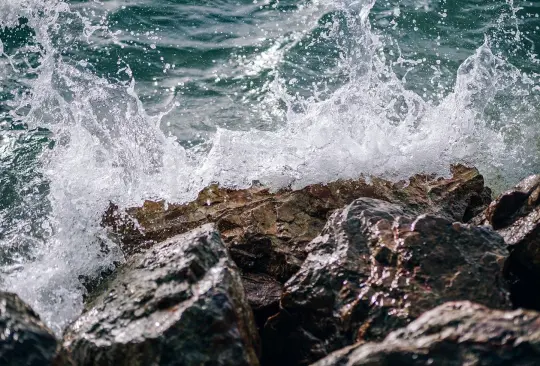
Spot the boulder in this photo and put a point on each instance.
(376, 267)
(267, 232)
(453, 334)
(24, 339)
(179, 303)
(515, 215)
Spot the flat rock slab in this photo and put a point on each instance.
(375, 268)
(24, 339)
(454, 334)
(179, 303)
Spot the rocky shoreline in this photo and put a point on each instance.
(425, 272)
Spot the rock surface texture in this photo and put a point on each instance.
(454, 334)
(24, 339)
(515, 215)
(423, 272)
(375, 268)
(179, 303)
(310, 271)
(267, 233)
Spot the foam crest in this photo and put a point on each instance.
(374, 126)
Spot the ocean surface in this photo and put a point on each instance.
(121, 101)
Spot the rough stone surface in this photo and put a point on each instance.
(24, 339)
(454, 334)
(263, 294)
(515, 215)
(179, 303)
(376, 267)
(267, 232)
(511, 205)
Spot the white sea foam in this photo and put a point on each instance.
(109, 149)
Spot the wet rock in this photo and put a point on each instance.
(24, 339)
(375, 268)
(453, 334)
(267, 232)
(179, 303)
(511, 206)
(515, 215)
(263, 294)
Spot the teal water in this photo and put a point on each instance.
(126, 100)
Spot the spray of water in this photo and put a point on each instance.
(103, 146)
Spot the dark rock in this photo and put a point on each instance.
(515, 215)
(376, 267)
(511, 206)
(267, 232)
(24, 339)
(453, 334)
(263, 294)
(179, 303)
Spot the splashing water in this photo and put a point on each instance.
(74, 138)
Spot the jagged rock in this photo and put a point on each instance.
(267, 232)
(179, 303)
(510, 207)
(294, 217)
(376, 267)
(515, 215)
(453, 334)
(24, 339)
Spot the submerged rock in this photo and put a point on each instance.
(179, 303)
(515, 215)
(453, 334)
(24, 339)
(376, 267)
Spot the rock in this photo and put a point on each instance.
(295, 217)
(263, 294)
(267, 232)
(515, 215)
(24, 339)
(511, 206)
(375, 268)
(460, 333)
(179, 303)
